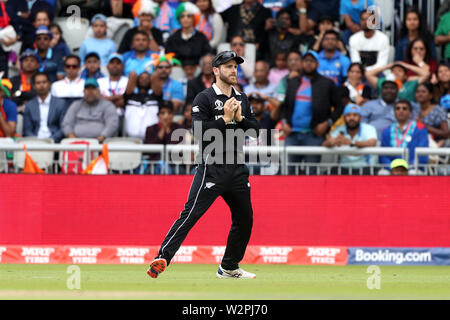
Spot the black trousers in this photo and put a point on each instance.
(211, 181)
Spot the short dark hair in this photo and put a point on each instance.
(331, 32)
(73, 56)
(295, 51)
(165, 104)
(403, 101)
(39, 73)
(142, 33)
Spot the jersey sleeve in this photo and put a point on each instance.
(203, 117)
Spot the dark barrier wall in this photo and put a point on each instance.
(303, 211)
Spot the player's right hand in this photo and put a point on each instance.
(229, 109)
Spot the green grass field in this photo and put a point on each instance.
(191, 282)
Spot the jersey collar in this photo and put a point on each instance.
(219, 92)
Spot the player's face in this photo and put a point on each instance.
(228, 72)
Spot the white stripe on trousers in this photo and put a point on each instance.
(195, 201)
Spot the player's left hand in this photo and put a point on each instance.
(238, 114)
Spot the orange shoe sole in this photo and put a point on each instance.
(156, 267)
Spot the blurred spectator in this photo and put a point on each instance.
(203, 81)
(413, 27)
(418, 54)
(139, 59)
(245, 69)
(113, 87)
(22, 90)
(92, 116)
(380, 112)
(92, 67)
(431, 114)
(172, 89)
(354, 134)
(399, 167)
(100, 44)
(350, 11)
(70, 88)
(277, 39)
(19, 13)
(141, 106)
(441, 81)
(211, 23)
(369, 46)
(51, 61)
(247, 19)
(42, 18)
(324, 24)
(189, 69)
(266, 118)
(262, 86)
(359, 92)
(44, 114)
(188, 43)
(146, 18)
(332, 63)
(407, 86)
(294, 64)
(8, 39)
(310, 108)
(404, 133)
(8, 110)
(280, 69)
(161, 132)
(311, 11)
(58, 42)
(118, 8)
(442, 35)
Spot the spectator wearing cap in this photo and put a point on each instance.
(369, 46)
(311, 106)
(51, 61)
(399, 167)
(172, 89)
(92, 116)
(8, 110)
(100, 44)
(404, 133)
(354, 134)
(139, 59)
(380, 112)
(188, 43)
(142, 98)
(92, 67)
(350, 11)
(22, 90)
(247, 19)
(113, 87)
(70, 88)
(407, 86)
(146, 16)
(332, 63)
(44, 114)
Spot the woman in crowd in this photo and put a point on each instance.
(418, 53)
(431, 114)
(211, 23)
(58, 42)
(359, 91)
(441, 81)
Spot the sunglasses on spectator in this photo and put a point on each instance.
(72, 66)
(241, 44)
(163, 67)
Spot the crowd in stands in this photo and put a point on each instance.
(319, 71)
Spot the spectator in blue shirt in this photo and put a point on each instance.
(140, 58)
(404, 133)
(332, 63)
(51, 61)
(99, 43)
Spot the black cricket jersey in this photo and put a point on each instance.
(207, 112)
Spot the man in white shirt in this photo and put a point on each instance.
(369, 46)
(44, 114)
(70, 88)
(112, 88)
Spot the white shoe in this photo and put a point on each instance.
(237, 273)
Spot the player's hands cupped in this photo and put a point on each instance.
(229, 109)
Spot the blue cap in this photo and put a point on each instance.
(98, 16)
(29, 53)
(115, 56)
(311, 53)
(43, 30)
(90, 82)
(352, 108)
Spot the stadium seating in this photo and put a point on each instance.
(44, 159)
(120, 160)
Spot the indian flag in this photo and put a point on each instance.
(100, 164)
